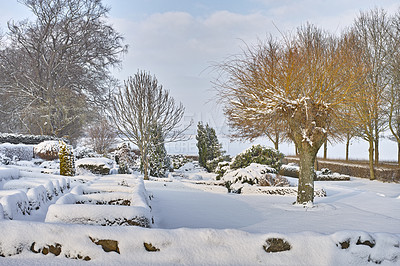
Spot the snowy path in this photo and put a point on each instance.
(356, 205)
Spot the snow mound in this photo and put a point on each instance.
(8, 173)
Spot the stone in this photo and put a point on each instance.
(276, 245)
(150, 248)
(108, 245)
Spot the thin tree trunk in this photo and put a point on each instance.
(398, 153)
(276, 142)
(371, 159)
(306, 177)
(376, 147)
(326, 149)
(347, 147)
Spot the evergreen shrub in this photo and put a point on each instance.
(258, 154)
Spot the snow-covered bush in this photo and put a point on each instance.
(221, 169)
(67, 163)
(47, 150)
(81, 152)
(125, 158)
(258, 174)
(158, 160)
(179, 160)
(16, 151)
(258, 154)
(212, 165)
(95, 165)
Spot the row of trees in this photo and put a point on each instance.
(311, 85)
(376, 36)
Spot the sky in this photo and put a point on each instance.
(179, 41)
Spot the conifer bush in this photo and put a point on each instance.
(258, 154)
(67, 162)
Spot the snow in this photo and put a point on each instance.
(8, 173)
(52, 146)
(95, 161)
(195, 222)
(20, 151)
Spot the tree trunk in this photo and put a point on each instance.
(347, 147)
(376, 148)
(371, 159)
(306, 176)
(276, 142)
(398, 153)
(326, 149)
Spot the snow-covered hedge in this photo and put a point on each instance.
(99, 215)
(14, 203)
(8, 173)
(127, 196)
(292, 170)
(17, 151)
(94, 165)
(24, 139)
(37, 197)
(283, 191)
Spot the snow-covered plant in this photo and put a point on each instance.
(208, 145)
(85, 152)
(254, 174)
(125, 158)
(178, 160)
(258, 154)
(211, 165)
(67, 161)
(221, 169)
(159, 162)
(47, 150)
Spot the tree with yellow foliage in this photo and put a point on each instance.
(304, 82)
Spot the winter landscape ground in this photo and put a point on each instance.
(191, 221)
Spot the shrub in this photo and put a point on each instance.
(100, 166)
(208, 145)
(258, 154)
(67, 162)
(47, 150)
(125, 158)
(179, 160)
(221, 169)
(212, 165)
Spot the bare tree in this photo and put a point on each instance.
(393, 93)
(373, 30)
(57, 67)
(304, 81)
(140, 105)
(101, 136)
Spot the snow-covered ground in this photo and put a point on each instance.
(198, 223)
